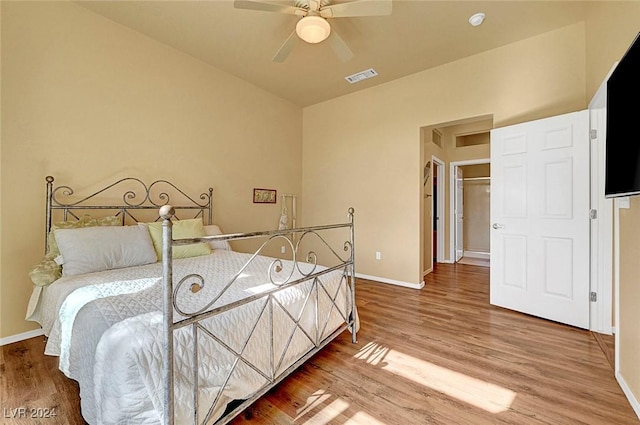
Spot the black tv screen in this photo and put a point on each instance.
(622, 154)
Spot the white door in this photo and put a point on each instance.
(459, 211)
(540, 218)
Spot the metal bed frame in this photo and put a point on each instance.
(157, 195)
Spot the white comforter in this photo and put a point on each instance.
(107, 329)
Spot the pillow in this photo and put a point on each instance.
(213, 230)
(93, 249)
(182, 229)
(84, 221)
(48, 270)
(45, 273)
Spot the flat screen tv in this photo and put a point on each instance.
(622, 154)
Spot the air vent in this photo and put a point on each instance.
(361, 76)
(436, 137)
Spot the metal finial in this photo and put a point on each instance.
(167, 211)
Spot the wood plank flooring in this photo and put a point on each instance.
(440, 355)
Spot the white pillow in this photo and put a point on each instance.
(213, 230)
(93, 249)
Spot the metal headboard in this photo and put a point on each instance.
(136, 196)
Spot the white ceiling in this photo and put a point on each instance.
(418, 35)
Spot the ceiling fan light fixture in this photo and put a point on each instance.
(313, 29)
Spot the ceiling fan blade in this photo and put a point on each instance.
(357, 8)
(339, 47)
(269, 7)
(314, 5)
(286, 48)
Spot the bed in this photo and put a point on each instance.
(160, 321)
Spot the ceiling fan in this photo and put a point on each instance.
(313, 27)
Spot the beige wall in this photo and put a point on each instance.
(630, 296)
(371, 157)
(1, 297)
(611, 27)
(478, 170)
(476, 216)
(88, 101)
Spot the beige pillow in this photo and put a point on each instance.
(182, 229)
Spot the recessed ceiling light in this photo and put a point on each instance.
(476, 19)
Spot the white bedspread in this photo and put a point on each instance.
(107, 329)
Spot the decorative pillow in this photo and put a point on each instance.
(98, 248)
(182, 229)
(84, 221)
(213, 230)
(45, 273)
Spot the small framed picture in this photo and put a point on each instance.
(264, 196)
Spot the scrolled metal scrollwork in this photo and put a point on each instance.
(131, 197)
(196, 284)
(128, 195)
(277, 265)
(312, 256)
(163, 197)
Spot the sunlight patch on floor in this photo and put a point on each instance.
(326, 412)
(484, 395)
(363, 418)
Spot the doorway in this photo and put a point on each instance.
(463, 249)
(443, 144)
(433, 218)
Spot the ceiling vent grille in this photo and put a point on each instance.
(363, 75)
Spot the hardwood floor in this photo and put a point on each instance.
(31, 384)
(440, 355)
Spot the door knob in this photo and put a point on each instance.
(498, 226)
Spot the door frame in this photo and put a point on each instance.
(603, 232)
(437, 162)
(453, 169)
(457, 225)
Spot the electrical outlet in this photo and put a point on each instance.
(378, 255)
(283, 249)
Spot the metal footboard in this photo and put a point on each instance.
(332, 281)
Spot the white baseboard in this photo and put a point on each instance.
(426, 272)
(477, 254)
(391, 281)
(20, 337)
(627, 392)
